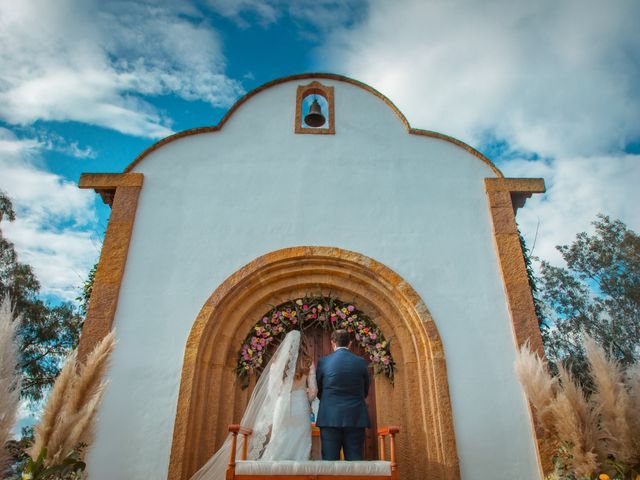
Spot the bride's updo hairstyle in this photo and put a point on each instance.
(303, 364)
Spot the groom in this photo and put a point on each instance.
(343, 384)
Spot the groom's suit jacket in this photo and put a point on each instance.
(343, 384)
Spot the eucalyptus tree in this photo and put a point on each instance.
(597, 292)
(48, 331)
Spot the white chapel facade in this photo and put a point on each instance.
(212, 226)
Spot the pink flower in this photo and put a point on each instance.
(373, 336)
(385, 360)
(378, 346)
(351, 308)
(305, 307)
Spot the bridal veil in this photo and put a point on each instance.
(272, 388)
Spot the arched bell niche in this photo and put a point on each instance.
(315, 109)
(211, 396)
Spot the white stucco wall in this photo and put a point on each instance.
(213, 202)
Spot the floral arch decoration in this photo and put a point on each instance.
(301, 314)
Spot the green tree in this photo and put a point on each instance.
(6, 208)
(598, 293)
(87, 288)
(48, 332)
(533, 284)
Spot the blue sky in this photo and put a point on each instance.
(545, 89)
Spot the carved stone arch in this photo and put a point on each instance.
(210, 397)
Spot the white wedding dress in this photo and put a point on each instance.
(291, 434)
(278, 412)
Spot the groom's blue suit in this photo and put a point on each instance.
(343, 384)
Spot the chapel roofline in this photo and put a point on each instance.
(306, 76)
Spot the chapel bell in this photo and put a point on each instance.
(314, 118)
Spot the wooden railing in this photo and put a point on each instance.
(390, 432)
(245, 432)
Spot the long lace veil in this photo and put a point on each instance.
(273, 386)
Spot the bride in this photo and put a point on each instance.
(278, 412)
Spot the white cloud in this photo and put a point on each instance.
(548, 77)
(91, 62)
(55, 226)
(323, 15)
(578, 188)
(45, 140)
(266, 11)
(552, 80)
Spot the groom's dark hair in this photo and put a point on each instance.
(340, 338)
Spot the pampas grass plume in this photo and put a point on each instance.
(90, 374)
(82, 431)
(633, 416)
(585, 432)
(52, 413)
(612, 398)
(576, 425)
(539, 386)
(9, 378)
(72, 404)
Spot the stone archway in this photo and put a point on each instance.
(210, 397)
